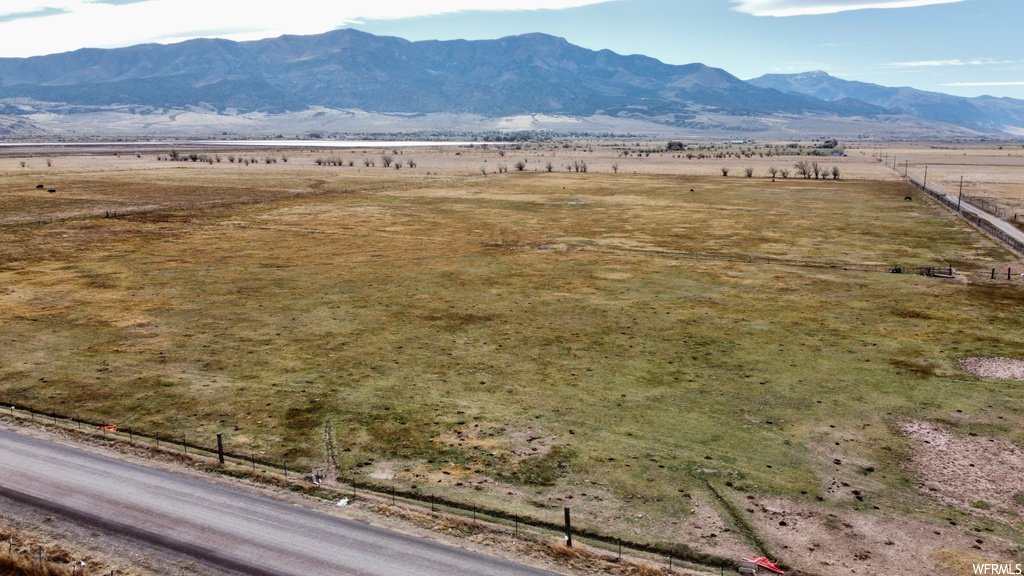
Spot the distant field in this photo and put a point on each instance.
(995, 173)
(522, 340)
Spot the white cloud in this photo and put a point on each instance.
(927, 63)
(47, 26)
(815, 7)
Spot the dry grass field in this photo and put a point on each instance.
(531, 340)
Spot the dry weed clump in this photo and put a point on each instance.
(963, 563)
(24, 566)
(437, 521)
(595, 561)
(30, 558)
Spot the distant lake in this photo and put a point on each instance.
(266, 143)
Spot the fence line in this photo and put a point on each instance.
(943, 270)
(666, 550)
(940, 195)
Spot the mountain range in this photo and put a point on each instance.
(531, 74)
(984, 113)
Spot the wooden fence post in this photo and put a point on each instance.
(568, 529)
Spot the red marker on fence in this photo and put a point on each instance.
(112, 427)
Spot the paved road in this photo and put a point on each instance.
(965, 206)
(217, 526)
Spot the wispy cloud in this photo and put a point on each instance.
(816, 7)
(961, 84)
(953, 62)
(38, 13)
(118, 2)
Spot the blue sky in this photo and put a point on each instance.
(962, 47)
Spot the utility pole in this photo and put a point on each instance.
(959, 197)
(926, 178)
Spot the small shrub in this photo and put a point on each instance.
(981, 505)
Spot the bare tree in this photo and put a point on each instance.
(615, 168)
(802, 168)
(772, 171)
(784, 173)
(549, 166)
(816, 169)
(520, 166)
(835, 172)
(411, 163)
(386, 160)
(749, 172)
(725, 171)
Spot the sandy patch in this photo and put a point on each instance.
(980, 475)
(829, 542)
(994, 367)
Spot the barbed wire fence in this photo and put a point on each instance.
(941, 196)
(349, 487)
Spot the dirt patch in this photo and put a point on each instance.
(979, 475)
(826, 541)
(994, 367)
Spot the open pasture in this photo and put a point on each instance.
(524, 341)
